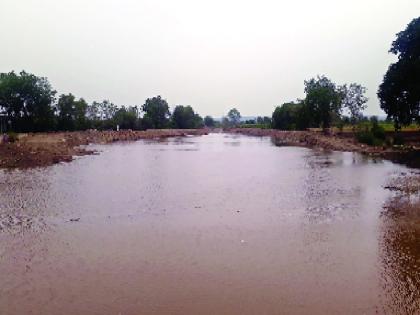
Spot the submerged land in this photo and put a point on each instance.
(43, 149)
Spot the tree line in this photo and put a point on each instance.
(323, 105)
(325, 102)
(28, 103)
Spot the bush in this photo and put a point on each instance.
(371, 133)
(378, 131)
(367, 137)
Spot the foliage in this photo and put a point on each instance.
(371, 133)
(377, 130)
(71, 113)
(263, 120)
(354, 99)
(127, 118)
(209, 122)
(399, 93)
(323, 98)
(184, 117)
(259, 126)
(234, 117)
(28, 101)
(290, 116)
(156, 112)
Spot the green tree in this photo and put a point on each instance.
(156, 113)
(234, 117)
(209, 121)
(101, 114)
(71, 113)
(184, 117)
(290, 116)
(80, 111)
(399, 93)
(354, 100)
(127, 118)
(323, 100)
(28, 101)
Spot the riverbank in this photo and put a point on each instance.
(43, 149)
(408, 154)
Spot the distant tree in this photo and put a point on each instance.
(184, 117)
(80, 111)
(354, 99)
(107, 110)
(209, 121)
(66, 111)
(28, 101)
(290, 116)
(71, 113)
(127, 118)
(101, 114)
(234, 117)
(266, 120)
(225, 123)
(156, 113)
(323, 100)
(399, 93)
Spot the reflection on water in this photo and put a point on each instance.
(217, 224)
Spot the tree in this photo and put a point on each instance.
(27, 101)
(234, 117)
(209, 122)
(184, 117)
(156, 113)
(323, 100)
(354, 99)
(80, 110)
(71, 113)
(399, 93)
(127, 118)
(66, 109)
(290, 116)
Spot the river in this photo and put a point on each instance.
(217, 224)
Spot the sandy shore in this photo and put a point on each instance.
(43, 149)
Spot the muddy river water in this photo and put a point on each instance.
(217, 224)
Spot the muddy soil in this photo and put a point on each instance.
(43, 149)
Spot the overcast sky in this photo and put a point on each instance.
(212, 54)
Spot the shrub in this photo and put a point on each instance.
(371, 133)
(378, 131)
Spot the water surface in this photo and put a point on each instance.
(217, 224)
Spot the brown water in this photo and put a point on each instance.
(216, 224)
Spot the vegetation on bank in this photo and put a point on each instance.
(399, 96)
(29, 104)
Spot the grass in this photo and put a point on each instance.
(387, 126)
(260, 126)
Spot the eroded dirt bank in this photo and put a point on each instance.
(42, 149)
(408, 154)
